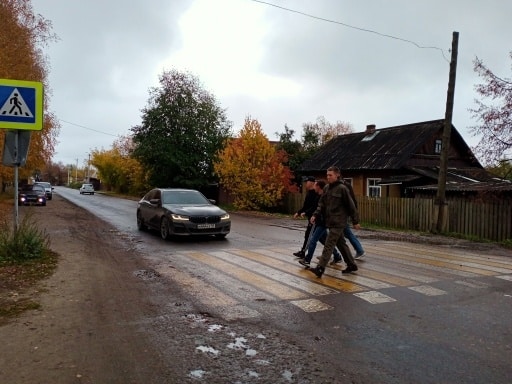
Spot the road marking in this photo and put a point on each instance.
(311, 305)
(278, 290)
(395, 280)
(428, 290)
(224, 305)
(401, 270)
(472, 283)
(365, 281)
(274, 272)
(460, 255)
(298, 270)
(374, 297)
(440, 266)
(482, 265)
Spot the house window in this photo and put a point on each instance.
(373, 188)
(348, 180)
(438, 146)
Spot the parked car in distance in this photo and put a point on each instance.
(47, 188)
(181, 212)
(87, 188)
(32, 194)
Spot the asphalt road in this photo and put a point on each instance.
(413, 313)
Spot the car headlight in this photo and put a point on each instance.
(177, 217)
(225, 217)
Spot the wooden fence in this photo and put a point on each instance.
(481, 220)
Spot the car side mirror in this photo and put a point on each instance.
(154, 201)
(213, 201)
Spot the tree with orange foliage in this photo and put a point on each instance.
(118, 170)
(252, 170)
(22, 37)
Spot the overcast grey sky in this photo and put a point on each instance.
(277, 66)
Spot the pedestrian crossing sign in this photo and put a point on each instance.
(21, 104)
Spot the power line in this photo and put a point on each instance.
(90, 129)
(353, 27)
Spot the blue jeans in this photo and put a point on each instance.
(354, 241)
(319, 234)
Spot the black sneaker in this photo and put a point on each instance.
(300, 254)
(350, 269)
(318, 271)
(305, 263)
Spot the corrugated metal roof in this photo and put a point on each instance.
(386, 149)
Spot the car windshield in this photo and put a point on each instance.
(46, 185)
(34, 187)
(184, 198)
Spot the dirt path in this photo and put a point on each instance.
(93, 311)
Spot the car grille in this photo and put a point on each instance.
(204, 219)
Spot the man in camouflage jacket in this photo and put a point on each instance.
(336, 206)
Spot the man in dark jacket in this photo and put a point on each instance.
(309, 206)
(336, 206)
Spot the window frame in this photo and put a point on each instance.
(372, 185)
(438, 146)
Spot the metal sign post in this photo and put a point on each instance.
(16, 208)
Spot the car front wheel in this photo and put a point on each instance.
(140, 222)
(164, 228)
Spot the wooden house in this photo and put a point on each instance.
(402, 161)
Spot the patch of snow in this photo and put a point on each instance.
(253, 374)
(214, 327)
(204, 349)
(239, 343)
(287, 375)
(197, 374)
(251, 352)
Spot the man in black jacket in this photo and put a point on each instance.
(309, 206)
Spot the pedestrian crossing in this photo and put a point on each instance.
(230, 281)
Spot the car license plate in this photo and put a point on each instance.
(205, 226)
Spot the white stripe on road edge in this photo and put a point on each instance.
(428, 290)
(472, 284)
(505, 277)
(374, 297)
(311, 305)
(224, 305)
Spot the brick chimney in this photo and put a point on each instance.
(370, 128)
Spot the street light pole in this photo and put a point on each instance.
(88, 167)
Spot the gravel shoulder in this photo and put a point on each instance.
(89, 328)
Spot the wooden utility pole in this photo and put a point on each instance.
(441, 186)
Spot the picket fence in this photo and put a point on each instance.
(475, 219)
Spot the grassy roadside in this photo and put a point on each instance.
(19, 278)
